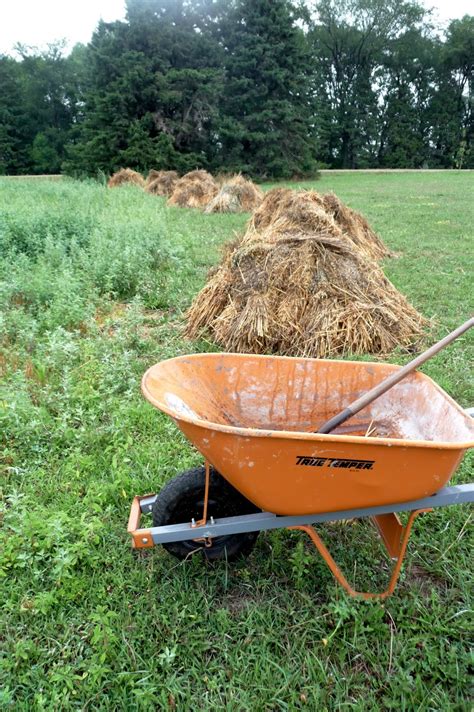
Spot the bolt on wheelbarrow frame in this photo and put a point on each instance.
(394, 535)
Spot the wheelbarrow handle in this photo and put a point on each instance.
(393, 379)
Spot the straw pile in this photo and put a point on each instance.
(152, 174)
(194, 190)
(126, 175)
(355, 225)
(298, 285)
(312, 212)
(236, 194)
(161, 182)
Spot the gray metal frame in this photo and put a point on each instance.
(458, 494)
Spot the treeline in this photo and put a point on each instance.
(273, 88)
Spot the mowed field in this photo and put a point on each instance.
(93, 285)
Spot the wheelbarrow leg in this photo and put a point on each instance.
(391, 532)
(395, 538)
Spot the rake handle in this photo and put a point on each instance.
(395, 378)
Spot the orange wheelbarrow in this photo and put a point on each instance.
(253, 419)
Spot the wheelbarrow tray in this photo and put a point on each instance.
(253, 418)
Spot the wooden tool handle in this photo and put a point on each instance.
(396, 377)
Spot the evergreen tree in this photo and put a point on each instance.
(152, 91)
(117, 78)
(266, 119)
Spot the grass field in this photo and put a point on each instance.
(93, 284)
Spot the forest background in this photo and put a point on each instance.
(273, 88)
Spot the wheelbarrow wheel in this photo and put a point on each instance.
(182, 500)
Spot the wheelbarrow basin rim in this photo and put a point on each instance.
(292, 434)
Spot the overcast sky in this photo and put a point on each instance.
(37, 22)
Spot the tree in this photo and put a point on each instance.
(38, 105)
(13, 142)
(265, 127)
(153, 87)
(406, 90)
(348, 39)
(452, 108)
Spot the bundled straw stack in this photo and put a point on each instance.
(126, 175)
(236, 194)
(152, 174)
(194, 190)
(304, 281)
(161, 182)
(313, 213)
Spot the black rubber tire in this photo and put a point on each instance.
(182, 499)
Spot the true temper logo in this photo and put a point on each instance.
(342, 463)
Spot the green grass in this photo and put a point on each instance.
(92, 287)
